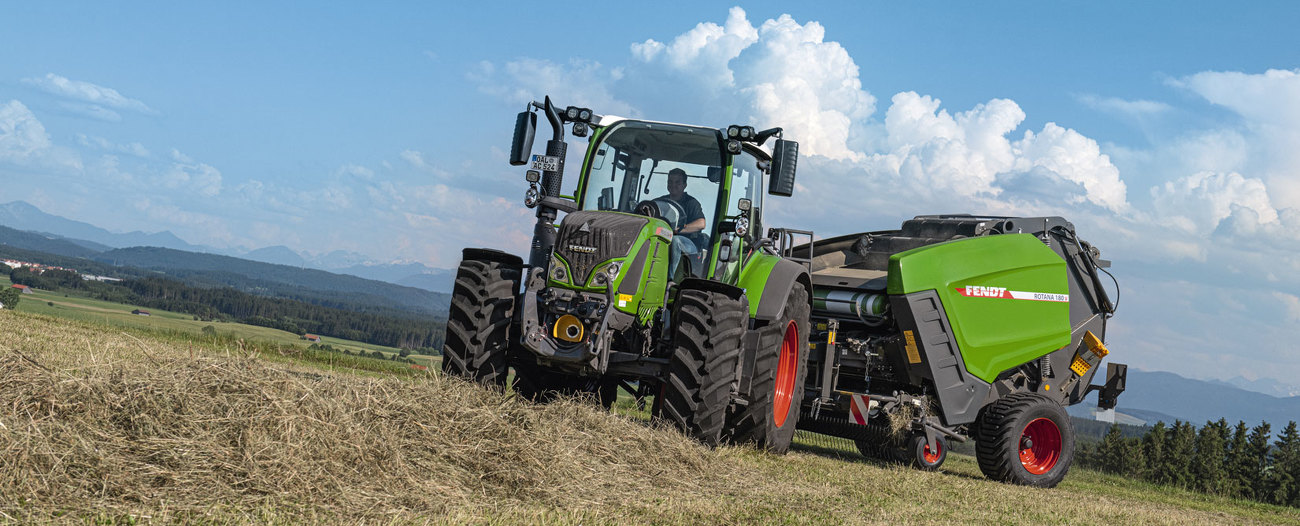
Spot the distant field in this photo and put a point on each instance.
(70, 306)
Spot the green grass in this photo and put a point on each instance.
(73, 307)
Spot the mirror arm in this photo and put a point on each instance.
(560, 203)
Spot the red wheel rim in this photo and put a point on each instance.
(785, 373)
(932, 457)
(1040, 446)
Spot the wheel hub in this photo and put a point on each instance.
(1040, 446)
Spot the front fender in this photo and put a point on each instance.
(767, 280)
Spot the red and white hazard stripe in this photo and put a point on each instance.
(972, 291)
(859, 408)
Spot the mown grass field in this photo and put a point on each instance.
(119, 425)
(73, 307)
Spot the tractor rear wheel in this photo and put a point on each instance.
(917, 452)
(1025, 438)
(706, 352)
(776, 390)
(478, 324)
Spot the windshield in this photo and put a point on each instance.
(635, 162)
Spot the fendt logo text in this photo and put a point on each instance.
(985, 292)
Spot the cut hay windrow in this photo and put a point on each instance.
(191, 432)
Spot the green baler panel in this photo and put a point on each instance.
(1006, 296)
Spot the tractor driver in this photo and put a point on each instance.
(685, 239)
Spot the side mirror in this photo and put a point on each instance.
(785, 155)
(522, 145)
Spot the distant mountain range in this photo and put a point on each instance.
(23, 216)
(214, 270)
(1162, 396)
(20, 215)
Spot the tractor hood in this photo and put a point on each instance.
(591, 242)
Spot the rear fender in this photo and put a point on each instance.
(767, 281)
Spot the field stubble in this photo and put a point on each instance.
(102, 425)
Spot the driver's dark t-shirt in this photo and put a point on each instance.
(693, 212)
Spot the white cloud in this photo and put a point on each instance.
(87, 92)
(578, 83)
(1199, 202)
(187, 174)
(1268, 105)
(1291, 304)
(24, 141)
(135, 149)
(703, 53)
(1132, 108)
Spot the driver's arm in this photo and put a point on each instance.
(694, 226)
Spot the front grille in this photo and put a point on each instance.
(587, 238)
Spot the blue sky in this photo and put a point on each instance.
(1166, 131)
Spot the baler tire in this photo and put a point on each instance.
(478, 323)
(918, 453)
(708, 328)
(1025, 439)
(758, 422)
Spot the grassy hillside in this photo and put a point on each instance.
(267, 279)
(118, 315)
(118, 426)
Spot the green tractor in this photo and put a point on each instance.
(658, 282)
(646, 286)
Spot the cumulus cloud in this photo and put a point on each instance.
(937, 154)
(1268, 105)
(703, 53)
(1199, 202)
(24, 141)
(87, 92)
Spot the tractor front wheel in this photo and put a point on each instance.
(1025, 438)
(478, 324)
(776, 391)
(706, 352)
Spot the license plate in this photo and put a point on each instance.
(546, 163)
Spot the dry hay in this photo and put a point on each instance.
(185, 435)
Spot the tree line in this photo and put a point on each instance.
(1219, 459)
(424, 335)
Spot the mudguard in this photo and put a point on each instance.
(767, 281)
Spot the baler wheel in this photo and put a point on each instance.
(1025, 438)
(706, 340)
(777, 387)
(919, 454)
(478, 323)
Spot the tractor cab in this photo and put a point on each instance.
(669, 172)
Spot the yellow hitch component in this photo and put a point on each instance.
(1095, 345)
(568, 328)
(1086, 360)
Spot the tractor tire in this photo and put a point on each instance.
(917, 452)
(776, 389)
(542, 386)
(478, 324)
(1026, 439)
(707, 334)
